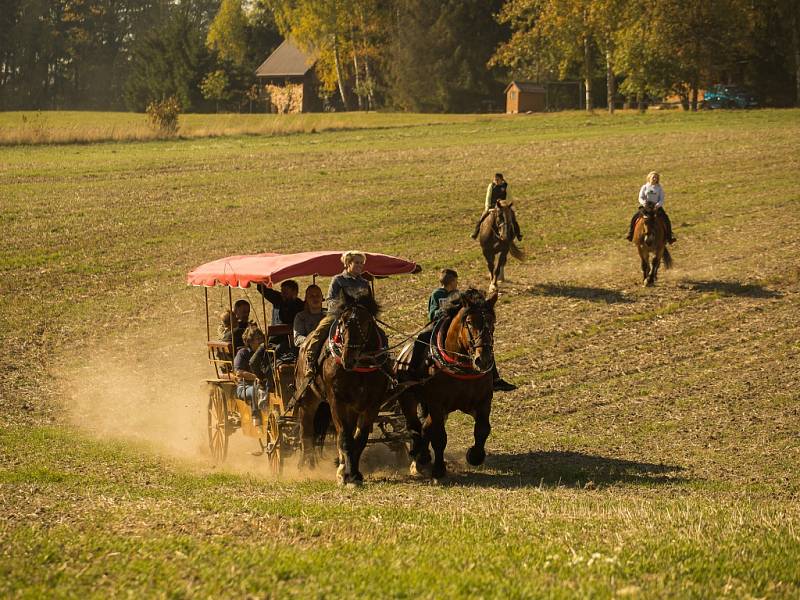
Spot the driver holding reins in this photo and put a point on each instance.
(351, 279)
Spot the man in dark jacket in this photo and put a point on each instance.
(286, 305)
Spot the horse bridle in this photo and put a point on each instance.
(487, 330)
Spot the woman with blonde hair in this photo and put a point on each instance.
(651, 193)
(352, 280)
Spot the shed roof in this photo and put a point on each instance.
(286, 61)
(526, 86)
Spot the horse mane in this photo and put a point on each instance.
(349, 298)
(458, 300)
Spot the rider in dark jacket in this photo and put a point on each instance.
(497, 190)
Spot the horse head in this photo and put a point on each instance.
(357, 311)
(505, 221)
(477, 320)
(649, 220)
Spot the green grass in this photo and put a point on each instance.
(651, 450)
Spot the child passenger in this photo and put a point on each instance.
(252, 371)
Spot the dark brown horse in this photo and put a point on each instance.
(459, 378)
(497, 240)
(650, 237)
(352, 380)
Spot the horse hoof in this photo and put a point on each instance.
(356, 483)
(476, 456)
(439, 473)
(418, 469)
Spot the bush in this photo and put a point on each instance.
(163, 115)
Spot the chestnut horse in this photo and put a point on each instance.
(497, 240)
(352, 380)
(650, 237)
(460, 378)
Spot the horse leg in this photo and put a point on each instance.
(645, 264)
(488, 254)
(408, 405)
(500, 269)
(346, 444)
(322, 421)
(306, 414)
(654, 268)
(477, 453)
(360, 442)
(435, 432)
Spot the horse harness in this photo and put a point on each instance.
(456, 365)
(336, 344)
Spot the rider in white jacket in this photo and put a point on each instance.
(654, 193)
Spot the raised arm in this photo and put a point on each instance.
(273, 296)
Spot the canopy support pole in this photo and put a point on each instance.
(208, 323)
(230, 306)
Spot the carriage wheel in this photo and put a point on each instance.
(273, 446)
(217, 424)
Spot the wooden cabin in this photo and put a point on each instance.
(524, 96)
(288, 80)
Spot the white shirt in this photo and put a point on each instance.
(652, 193)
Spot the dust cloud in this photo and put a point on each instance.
(150, 388)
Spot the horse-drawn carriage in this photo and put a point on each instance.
(279, 432)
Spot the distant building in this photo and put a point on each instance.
(288, 80)
(523, 96)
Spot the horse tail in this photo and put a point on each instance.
(515, 251)
(667, 258)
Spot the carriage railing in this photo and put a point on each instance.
(221, 356)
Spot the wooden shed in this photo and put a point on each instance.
(288, 80)
(523, 96)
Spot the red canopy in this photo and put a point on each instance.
(270, 268)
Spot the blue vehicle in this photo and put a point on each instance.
(728, 96)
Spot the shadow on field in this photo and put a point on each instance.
(555, 468)
(733, 288)
(593, 294)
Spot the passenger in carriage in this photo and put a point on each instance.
(351, 279)
(224, 327)
(285, 307)
(252, 370)
(307, 320)
(239, 320)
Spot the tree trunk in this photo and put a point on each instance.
(370, 87)
(339, 78)
(695, 86)
(796, 42)
(611, 83)
(356, 70)
(587, 72)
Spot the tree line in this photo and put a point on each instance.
(418, 55)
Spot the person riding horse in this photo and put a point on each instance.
(440, 298)
(350, 279)
(497, 190)
(652, 192)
